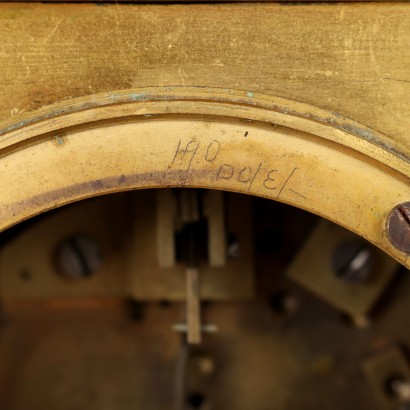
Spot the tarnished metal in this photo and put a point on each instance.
(398, 227)
(347, 273)
(191, 137)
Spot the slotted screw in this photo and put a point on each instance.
(78, 256)
(398, 227)
(353, 261)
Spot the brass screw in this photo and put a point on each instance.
(398, 227)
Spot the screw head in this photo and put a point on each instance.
(353, 261)
(78, 256)
(398, 227)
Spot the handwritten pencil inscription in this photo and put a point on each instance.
(263, 175)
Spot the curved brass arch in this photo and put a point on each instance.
(203, 137)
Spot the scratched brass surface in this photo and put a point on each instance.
(321, 122)
(206, 138)
(352, 59)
